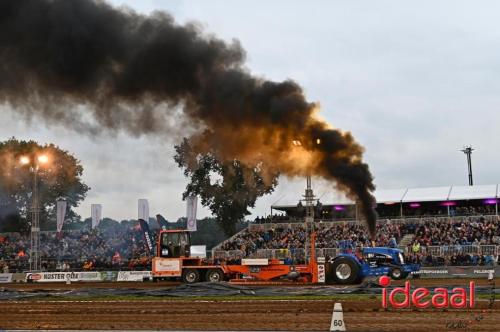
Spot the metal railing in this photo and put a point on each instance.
(300, 254)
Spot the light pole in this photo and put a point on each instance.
(309, 195)
(309, 199)
(468, 152)
(35, 209)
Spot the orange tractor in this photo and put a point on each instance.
(173, 259)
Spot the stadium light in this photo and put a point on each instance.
(34, 166)
(43, 159)
(24, 160)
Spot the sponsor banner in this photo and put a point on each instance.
(192, 203)
(96, 213)
(64, 276)
(321, 273)
(167, 265)
(143, 209)
(18, 277)
(162, 222)
(458, 272)
(5, 277)
(89, 276)
(60, 214)
(431, 272)
(148, 239)
(109, 275)
(52, 276)
(133, 275)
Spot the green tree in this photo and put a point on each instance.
(228, 189)
(59, 178)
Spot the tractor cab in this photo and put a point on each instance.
(174, 244)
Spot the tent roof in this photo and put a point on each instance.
(473, 192)
(429, 194)
(405, 195)
(390, 195)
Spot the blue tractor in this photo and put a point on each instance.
(370, 261)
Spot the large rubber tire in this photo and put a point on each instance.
(397, 274)
(214, 275)
(345, 271)
(190, 276)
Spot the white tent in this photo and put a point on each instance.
(473, 192)
(403, 195)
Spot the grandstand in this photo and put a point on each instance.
(434, 226)
(400, 203)
(449, 225)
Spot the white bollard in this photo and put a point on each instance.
(337, 318)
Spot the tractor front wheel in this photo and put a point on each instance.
(397, 274)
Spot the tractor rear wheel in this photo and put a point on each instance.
(345, 271)
(214, 275)
(190, 276)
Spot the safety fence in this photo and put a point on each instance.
(300, 254)
(70, 265)
(138, 276)
(76, 276)
(459, 250)
(322, 224)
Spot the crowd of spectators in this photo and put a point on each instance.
(454, 234)
(124, 248)
(78, 250)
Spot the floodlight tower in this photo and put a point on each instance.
(468, 152)
(35, 165)
(309, 195)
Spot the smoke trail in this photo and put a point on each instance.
(71, 61)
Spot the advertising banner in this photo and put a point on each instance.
(96, 213)
(133, 275)
(147, 235)
(5, 277)
(18, 277)
(89, 276)
(458, 272)
(52, 276)
(109, 275)
(162, 222)
(143, 210)
(191, 202)
(72, 276)
(60, 214)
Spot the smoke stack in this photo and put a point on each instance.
(89, 65)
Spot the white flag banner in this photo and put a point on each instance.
(143, 210)
(60, 214)
(96, 214)
(192, 202)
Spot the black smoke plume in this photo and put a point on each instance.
(89, 65)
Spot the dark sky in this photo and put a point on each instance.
(412, 82)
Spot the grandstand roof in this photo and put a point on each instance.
(404, 195)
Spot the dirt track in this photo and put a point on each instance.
(301, 315)
(147, 285)
(232, 315)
